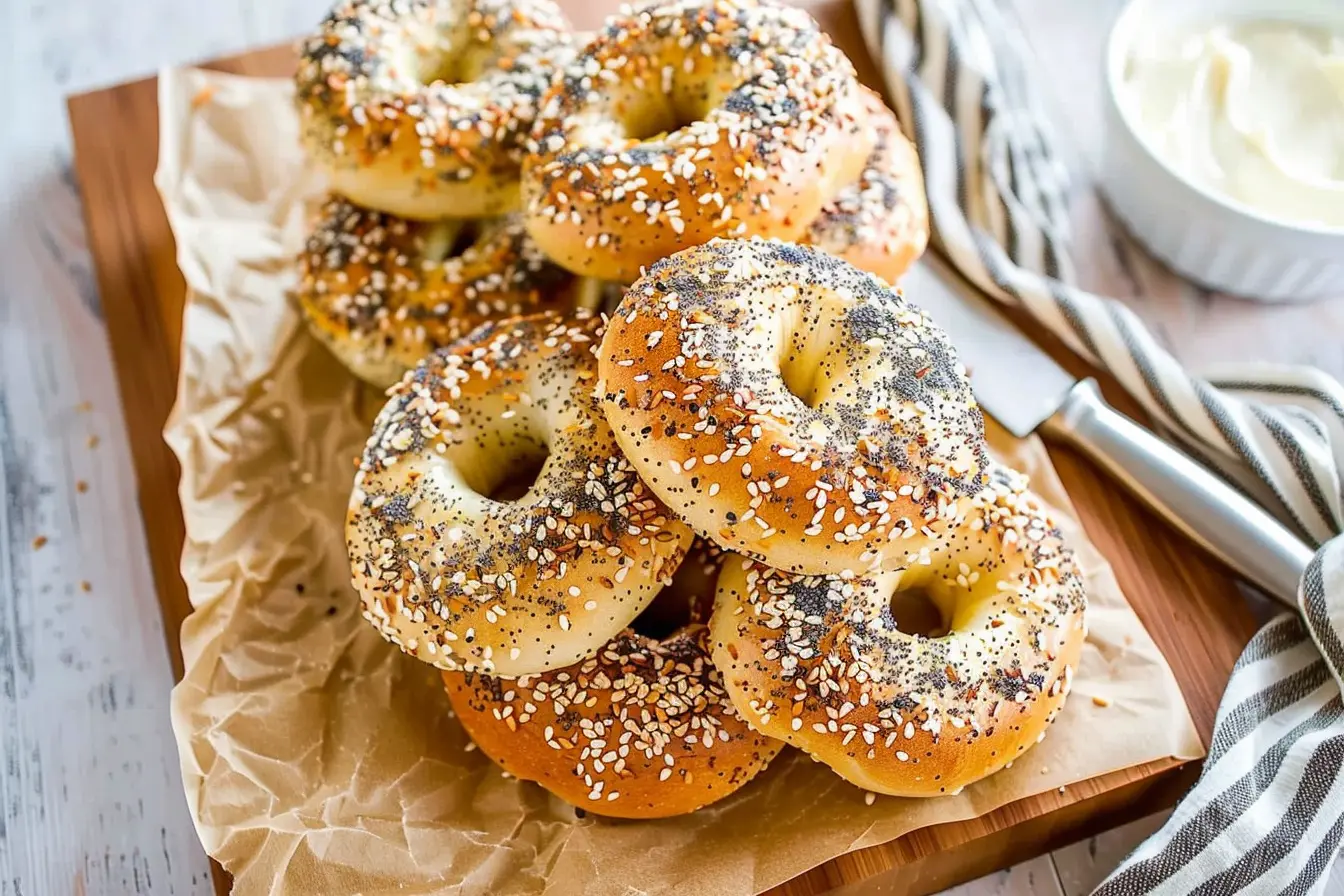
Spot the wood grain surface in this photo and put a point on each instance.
(1189, 606)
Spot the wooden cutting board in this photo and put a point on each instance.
(1188, 604)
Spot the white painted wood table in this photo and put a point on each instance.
(90, 795)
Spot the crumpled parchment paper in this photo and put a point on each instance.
(316, 758)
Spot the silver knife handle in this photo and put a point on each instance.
(1226, 523)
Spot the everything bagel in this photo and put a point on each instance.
(383, 292)
(462, 579)
(821, 662)
(687, 120)
(421, 108)
(791, 407)
(643, 729)
(880, 223)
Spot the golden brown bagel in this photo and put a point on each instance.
(421, 107)
(464, 581)
(643, 729)
(791, 407)
(880, 223)
(383, 292)
(819, 661)
(687, 120)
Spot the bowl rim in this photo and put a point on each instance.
(1120, 27)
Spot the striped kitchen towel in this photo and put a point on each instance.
(1267, 814)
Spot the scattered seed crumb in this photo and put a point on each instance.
(471, 747)
(1045, 769)
(306, 478)
(93, 441)
(85, 587)
(84, 407)
(203, 96)
(1062, 789)
(1101, 701)
(39, 542)
(331, 611)
(299, 587)
(869, 798)
(81, 486)
(277, 412)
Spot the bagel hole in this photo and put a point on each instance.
(450, 239)
(652, 119)
(800, 378)
(439, 66)
(662, 617)
(512, 479)
(917, 613)
(686, 600)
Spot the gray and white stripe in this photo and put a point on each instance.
(1267, 814)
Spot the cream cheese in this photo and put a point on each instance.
(1252, 110)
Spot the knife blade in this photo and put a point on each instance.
(1026, 391)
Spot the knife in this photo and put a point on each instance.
(1022, 387)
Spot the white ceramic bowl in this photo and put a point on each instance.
(1212, 239)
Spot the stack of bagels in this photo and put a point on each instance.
(665, 456)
